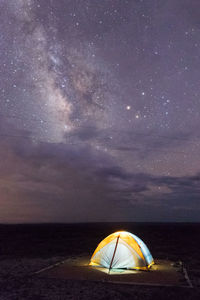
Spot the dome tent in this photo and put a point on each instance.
(122, 250)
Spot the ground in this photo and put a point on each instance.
(25, 249)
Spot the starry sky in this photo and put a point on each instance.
(99, 110)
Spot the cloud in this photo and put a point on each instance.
(147, 143)
(146, 189)
(53, 182)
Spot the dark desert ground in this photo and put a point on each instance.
(25, 249)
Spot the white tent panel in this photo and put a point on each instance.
(147, 255)
(125, 256)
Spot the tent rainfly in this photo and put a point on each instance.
(122, 250)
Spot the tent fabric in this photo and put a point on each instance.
(122, 250)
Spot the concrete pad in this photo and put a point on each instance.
(163, 273)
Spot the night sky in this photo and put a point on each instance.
(99, 110)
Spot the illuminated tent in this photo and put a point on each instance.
(122, 250)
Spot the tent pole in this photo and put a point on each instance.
(114, 253)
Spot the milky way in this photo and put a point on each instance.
(99, 110)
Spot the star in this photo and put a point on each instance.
(106, 98)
